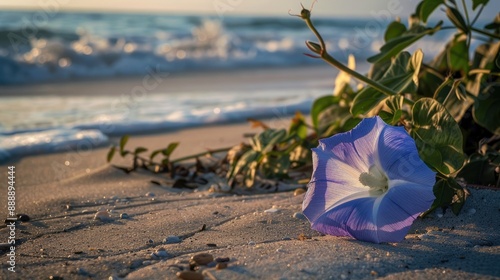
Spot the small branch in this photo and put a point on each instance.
(491, 35)
(477, 15)
(201, 154)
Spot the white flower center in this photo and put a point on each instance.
(375, 179)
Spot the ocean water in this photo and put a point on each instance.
(66, 47)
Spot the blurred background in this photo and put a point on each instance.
(84, 71)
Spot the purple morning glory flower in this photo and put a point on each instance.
(368, 183)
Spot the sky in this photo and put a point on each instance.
(341, 8)
(253, 7)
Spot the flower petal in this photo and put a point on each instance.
(377, 219)
(337, 203)
(338, 162)
(398, 157)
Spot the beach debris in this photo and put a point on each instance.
(220, 266)
(23, 217)
(124, 216)
(172, 239)
(189, 275)
(203, 227)
(299, 191)
(303, 237)
(251, 243)
(103, 216)
(299, 215)
(272, 210)
(222, 260)
(149, 194)
(211, 245)
(202, 259)
(150, 241)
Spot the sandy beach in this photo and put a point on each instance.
(62, 192)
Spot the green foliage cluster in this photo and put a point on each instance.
(450, 105)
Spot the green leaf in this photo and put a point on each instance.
(427, 8)
(479, 171)
(458, 54)
(397, 44)
(457, 19)
(395, 29)
(329, 112)
(392, 114)
(486, 110)
(139, 150)
(298, 126)
(444, 193)
(170, 149)
(476, 3)
(402, 77)
(448, 193)
(111, 153)
(123, 142)
(276, 136)
(154, 154)
(458, 200)
(437, 135)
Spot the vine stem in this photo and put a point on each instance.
(201, 154)
(305, 15)
(491, 35)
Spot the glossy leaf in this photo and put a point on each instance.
(458, 55)
(328, 113)
(486, 110)
(395, 29)
(396, 45)
(392, 114)
(476, 3)
(427, 7)
(170, 149)
(437, 135)
(457, 19)
(123, 142)
(111, 153)
(402, 77)
(479, 171)
(140, 150)
(448, 193)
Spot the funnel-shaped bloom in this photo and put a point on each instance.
(368, 183)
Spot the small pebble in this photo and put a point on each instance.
(69, 207)
(124, 216)
(54, 277)
(23, 217)
(299, 191)
(172, 239)
(211, 245)
(202, 258)
(150, 241)
(222, 265)
(102, 216)
(272, 210)
(299, 215)
(161, 253)
(189, 275)
(251, 243)
(150, 194)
